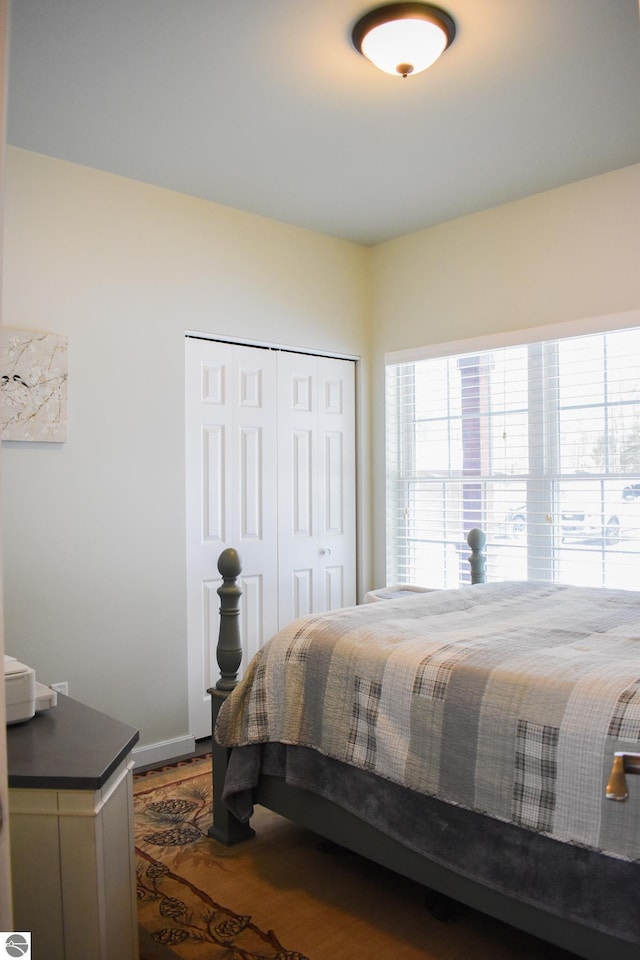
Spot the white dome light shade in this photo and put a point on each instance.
(404, 46)
(403, 38)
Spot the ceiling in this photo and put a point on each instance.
(265, 106)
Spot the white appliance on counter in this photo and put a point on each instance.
(24, 696)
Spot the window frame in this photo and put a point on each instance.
(542, 483)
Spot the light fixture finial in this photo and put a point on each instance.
(403, 38)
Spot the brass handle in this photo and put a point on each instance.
(623, 763)
(616, 784)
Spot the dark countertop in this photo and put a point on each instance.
(68, 747)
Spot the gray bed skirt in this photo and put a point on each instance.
(599, 892)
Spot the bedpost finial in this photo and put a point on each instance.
(476, 539)
(229, 564)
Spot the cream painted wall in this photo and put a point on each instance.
(94, 529)
(567, 254)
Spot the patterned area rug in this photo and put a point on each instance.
(177, 864)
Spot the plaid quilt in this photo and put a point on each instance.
(508, 699)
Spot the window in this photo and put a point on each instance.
(538, 444)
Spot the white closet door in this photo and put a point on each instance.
(316, 485)
(231, 423)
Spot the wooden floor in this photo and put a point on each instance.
(330, 904)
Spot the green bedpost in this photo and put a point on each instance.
(476, 540)
(225, 827)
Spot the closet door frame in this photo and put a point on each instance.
(262, 610)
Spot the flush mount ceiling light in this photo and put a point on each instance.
(403, 38)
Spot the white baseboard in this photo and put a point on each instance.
(164, 751)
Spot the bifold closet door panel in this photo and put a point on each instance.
(316, 484)
(231, 480)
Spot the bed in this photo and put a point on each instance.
(475, 740)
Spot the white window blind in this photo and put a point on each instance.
(537, 444)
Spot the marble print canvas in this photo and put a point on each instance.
(33, 386)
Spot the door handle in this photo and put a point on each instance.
(325, 552)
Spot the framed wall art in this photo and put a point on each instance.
(33, 386)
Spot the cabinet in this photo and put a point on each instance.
(72, 840)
